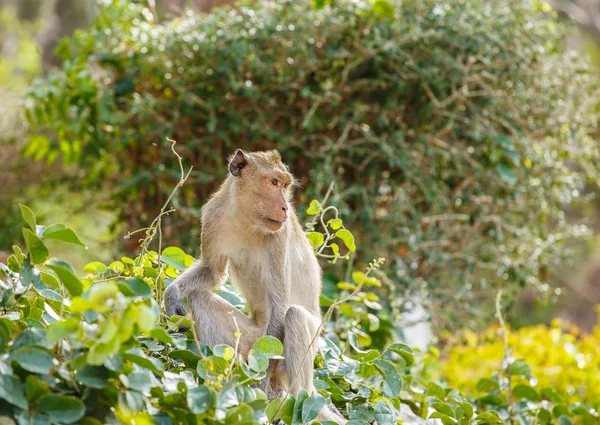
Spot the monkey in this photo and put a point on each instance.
(250, 231)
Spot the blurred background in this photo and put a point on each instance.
(462, 140)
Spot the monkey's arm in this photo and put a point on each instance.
(202, 275)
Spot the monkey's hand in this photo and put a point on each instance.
(173, 304)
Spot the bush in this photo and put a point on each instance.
(560, 357)
(98, 350)
(455, 132)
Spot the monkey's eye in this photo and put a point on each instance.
(286, 185)
(275, 182)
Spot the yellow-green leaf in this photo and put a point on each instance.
(347, 237)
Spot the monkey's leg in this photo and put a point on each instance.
(300, 329)
(213, 317)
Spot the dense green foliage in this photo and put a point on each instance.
(98, 350)
(455, 131)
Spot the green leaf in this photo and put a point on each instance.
(137, 356)
(67, 276)
(285, 413)
(13, 391)
(62, 233)
(353, 340)
(392, 383)
(487, 385)
(551, 395)
(34, 358)
(581, 408)
(139, 380)
(62, 409)
(263, 349)
(312, 406)
(297, 417)
(135, 287)
(443, 408)
(161, 335)
(520, 368)
(347, 237)
(62, 328)
(188, 357)
(28, 216)
(435, 390)
(35, 388)
(526, 392)
(383, 9)
(94, 376)
(199, 399)
(384, 413)
(174, 257)
(335, 248)
(467, 409)
(507, 173)
(95, 267)
(4, 336)
(404, 351)
(491, 417)
(316, 239)
(446, 420)
(335, 223)
(212, 366)
(314, 208)
(563, 420)
(37, 250)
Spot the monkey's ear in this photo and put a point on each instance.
(237, 162)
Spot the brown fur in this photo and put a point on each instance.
(251, 232)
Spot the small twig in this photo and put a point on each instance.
(506, 356)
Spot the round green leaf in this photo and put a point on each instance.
(526, 392)
(520, 368)
(312, 406)
(93, 376)
(316, 239)
(314, 207)
(34, 358)
(174, 257)
(135, 287)
(262, 350)
(285, 413)
(199, 399)
(13, 391)
(62, 409)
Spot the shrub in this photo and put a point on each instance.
(560, 356)
(455, 132)
(98, 350)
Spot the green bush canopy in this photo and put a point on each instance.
(455, 132)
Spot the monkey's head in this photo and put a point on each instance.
(264, 187)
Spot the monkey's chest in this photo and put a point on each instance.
(248, 269)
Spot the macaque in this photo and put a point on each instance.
(250, 232)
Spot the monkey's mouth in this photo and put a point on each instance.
(280, 223)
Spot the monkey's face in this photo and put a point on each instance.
(265, 188)
(274, 204)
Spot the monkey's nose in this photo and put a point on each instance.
(284, 208)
